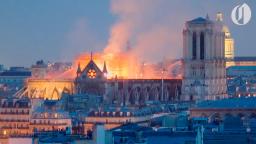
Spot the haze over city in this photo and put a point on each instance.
(127, 72)
(62, 29)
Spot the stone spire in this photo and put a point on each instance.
(91, 55)
(105, 71)
(78, 69)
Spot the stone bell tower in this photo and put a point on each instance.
(204, 76)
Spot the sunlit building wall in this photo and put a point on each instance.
(14, 117)
(229, 47)
(50, 121)
(48, 116)
(115, 118)
(46, 88)
(39, 70)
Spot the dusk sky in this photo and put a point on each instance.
(58, 30)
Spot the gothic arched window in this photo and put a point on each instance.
(202, 46)
(194, 46)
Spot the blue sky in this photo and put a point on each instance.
(58, 30)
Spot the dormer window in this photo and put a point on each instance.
(46, 115)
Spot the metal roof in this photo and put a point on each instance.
(200, 20)
(231, 103)
(16, 73)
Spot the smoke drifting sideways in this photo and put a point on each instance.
(148, 25)
(139, 39)
(145, 39)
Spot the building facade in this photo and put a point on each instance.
(204, 60)
(217, 111)
(50, 120)
(14, 78)
(46, 88)
(244, 61)
(39, 70)
(127, 92)
(93, 80)
(19, 117)
(241, 81)
(15, 117)
(112, 118)
(229, 47)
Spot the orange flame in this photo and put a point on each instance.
(121, 65)
(118, 65)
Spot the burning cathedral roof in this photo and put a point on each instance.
(124, 66)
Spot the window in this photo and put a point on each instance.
(202, 71)
(191, 98)
(194, 46)
(202, 46)
(193, 71)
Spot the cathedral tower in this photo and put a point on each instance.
(204, 60)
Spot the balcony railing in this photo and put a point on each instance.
(13, 120)
(55, 124)
(15, 113)
(12, 127)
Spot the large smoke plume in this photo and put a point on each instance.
(149, 26)
(145, 32)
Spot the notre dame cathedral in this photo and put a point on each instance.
(204, 71)
(92, 80)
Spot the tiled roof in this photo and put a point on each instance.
(16, 73)
(242, 68)
(231, 103)
(11, 103)
(125, 111)
(245, 58)
(199, 20)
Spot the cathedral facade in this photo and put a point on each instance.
(91, 79)
(125, 92)
(204, 75)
